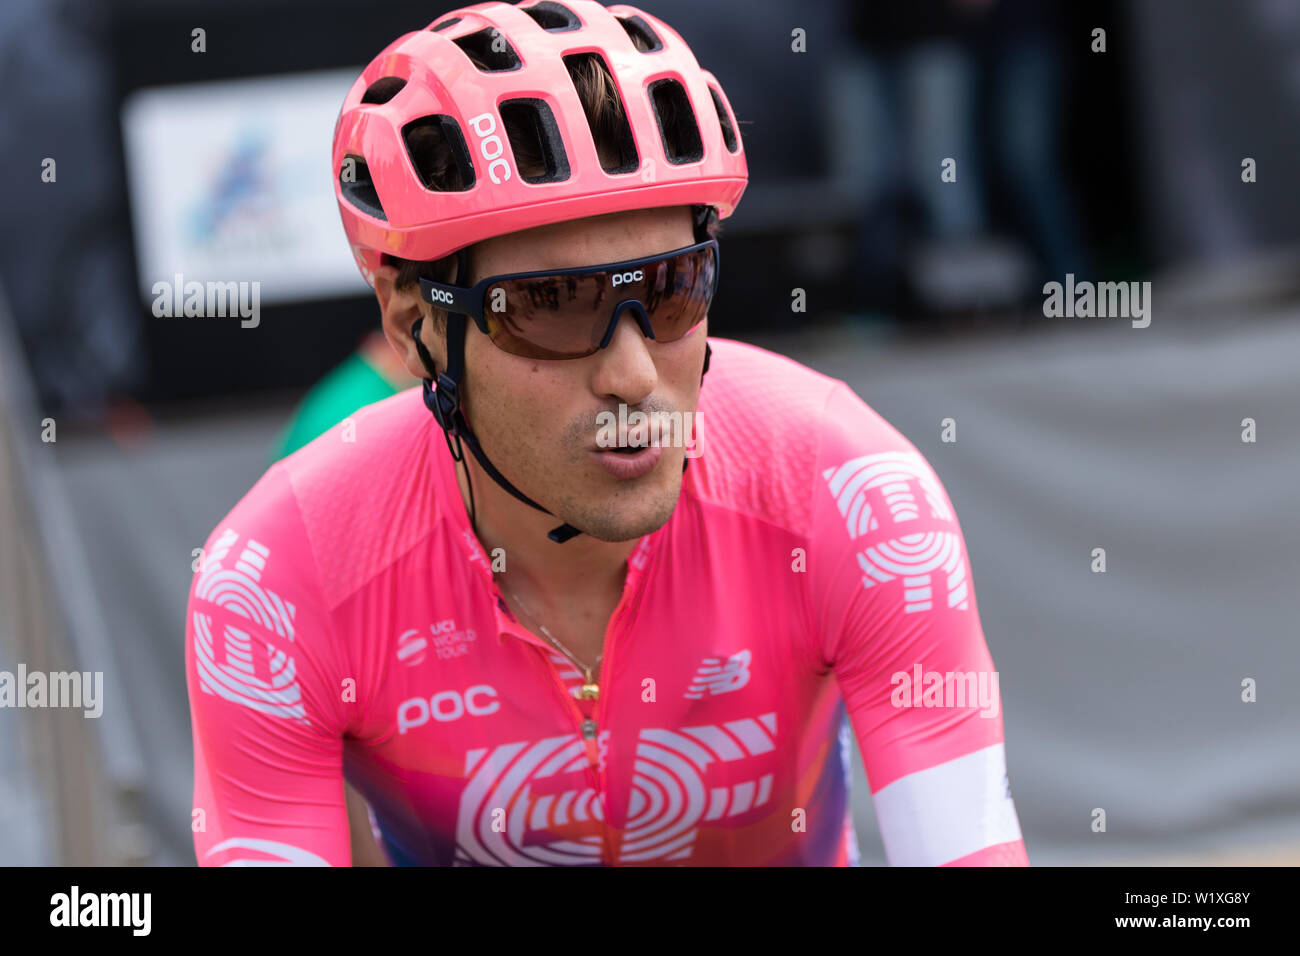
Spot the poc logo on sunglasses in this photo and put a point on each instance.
(490, 145)
(437, 295)
(622, 277)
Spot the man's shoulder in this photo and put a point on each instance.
(351, 500)
(757, 394)
(756, 397)
(765, 421)
(372, 441)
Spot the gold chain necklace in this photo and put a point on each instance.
(590, 689)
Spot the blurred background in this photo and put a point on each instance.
(1162, 148)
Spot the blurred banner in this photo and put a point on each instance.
(197, 211)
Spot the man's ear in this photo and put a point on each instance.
(399, 309)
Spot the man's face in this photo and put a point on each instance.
(537, 421)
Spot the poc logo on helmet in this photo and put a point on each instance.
(621, 277)
(438, 295)
(490, 145)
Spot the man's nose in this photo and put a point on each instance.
(625, 368)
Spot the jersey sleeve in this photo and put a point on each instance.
(898, 624)
(266, 690)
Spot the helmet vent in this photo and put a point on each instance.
(383, 89)
(489, 50)
(535, 140)
(643, 38)
(677, 127)
(553, 17)
(358, 188)
(607, 119)
(437, 150)
(443, 25)
(728, 131)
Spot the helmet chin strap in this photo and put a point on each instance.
(444, 402)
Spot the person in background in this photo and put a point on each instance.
(922, 67)
(371, 373)
(1022, 62)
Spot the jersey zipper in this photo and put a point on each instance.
(624, 611)
(589, 727)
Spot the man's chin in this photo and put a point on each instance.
(626, 522)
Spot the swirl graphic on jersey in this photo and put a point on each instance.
(884, 493)
(518, 810)
(242, 851)
(236, 662)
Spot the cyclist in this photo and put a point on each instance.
(580, 643)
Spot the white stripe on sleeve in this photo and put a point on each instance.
(948, 811)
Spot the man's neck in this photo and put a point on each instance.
(545, 574)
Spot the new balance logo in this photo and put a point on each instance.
(717, 675)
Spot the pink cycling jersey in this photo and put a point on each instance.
(811, 582)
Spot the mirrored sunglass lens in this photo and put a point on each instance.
(548, 317)
(679, 293)
(557, 317)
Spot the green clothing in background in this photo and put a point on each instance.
(351, 385)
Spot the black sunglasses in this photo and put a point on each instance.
(572, 313)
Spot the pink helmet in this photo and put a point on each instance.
(425, 88)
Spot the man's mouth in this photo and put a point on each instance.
(631, 448)
(629, 461)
